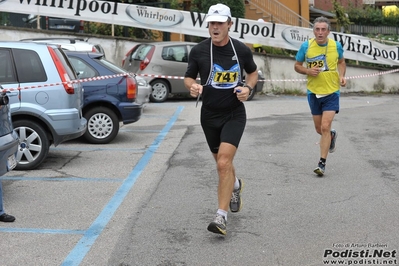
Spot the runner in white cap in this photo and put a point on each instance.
(220, 62)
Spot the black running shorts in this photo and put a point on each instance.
(223, 126)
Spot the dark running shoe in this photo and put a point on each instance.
(320, 169)
(218, 226)
(7, 218)
(334, 136)
(236, 202)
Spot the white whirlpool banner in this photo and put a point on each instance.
(193, 23)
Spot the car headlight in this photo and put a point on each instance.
(141, 81)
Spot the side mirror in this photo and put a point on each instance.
(4, 99)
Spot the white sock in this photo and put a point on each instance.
(223, 213)
(236, 184)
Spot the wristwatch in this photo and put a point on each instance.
(249, 87)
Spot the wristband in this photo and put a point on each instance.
(249, 87)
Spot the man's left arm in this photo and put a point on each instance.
(251, 79)
(341, 66)
(342, 71)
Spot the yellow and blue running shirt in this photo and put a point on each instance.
(325, 57)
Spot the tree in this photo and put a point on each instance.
(342, 18)
(372, 16)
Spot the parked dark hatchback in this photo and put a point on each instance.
(107, 101)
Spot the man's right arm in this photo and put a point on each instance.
(300, 68)
(188, 82)
(306, 71)
(192, 70)
(193, 87)
(300, 58)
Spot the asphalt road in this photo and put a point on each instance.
(147, 198)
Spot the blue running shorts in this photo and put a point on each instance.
(326, 103)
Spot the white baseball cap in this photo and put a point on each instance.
(218, 13)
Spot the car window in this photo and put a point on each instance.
(111, 66)
(66, 63)
(83, 68)
(175, 53)
(141, 52)
(29, 66)
(7, 70)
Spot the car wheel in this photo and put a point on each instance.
(160, 91)
(33, 144)
(102, 125)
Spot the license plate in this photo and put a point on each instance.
(67, 27)
(11, 162)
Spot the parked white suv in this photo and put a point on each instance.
(71, 44)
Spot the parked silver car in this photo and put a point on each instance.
(46, 105)
(160, 58)
(144, 90)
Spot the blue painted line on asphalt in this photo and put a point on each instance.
(79, 148)
(78, 253)
(139, 130)
(43, 231)
(81, 179)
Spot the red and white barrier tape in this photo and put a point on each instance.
(281, 80)
(67, 82)
(179, 77)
